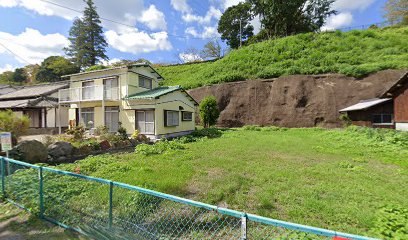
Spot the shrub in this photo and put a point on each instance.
(78, 132)
(122, 132)
(207, 132)
(112, 138)
(209, 111)
(17, 125)
(159, 147)
(391, 223)
(100, 130)
(48, 140)
(345, 119)
(135, 134)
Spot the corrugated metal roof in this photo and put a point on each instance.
(154, 93)
(25, 103)
(365, 104)
(33, 91)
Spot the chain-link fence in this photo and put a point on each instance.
(104, 209)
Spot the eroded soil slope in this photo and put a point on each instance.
(294, 101)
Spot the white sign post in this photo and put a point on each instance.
(6, 145)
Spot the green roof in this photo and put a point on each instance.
(154, 93)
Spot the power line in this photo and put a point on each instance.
(15, 54)
(124, 24)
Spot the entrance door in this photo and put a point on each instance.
(145, 122)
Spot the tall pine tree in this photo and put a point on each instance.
(87, 43)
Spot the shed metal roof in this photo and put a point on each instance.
(365, 104)
(33, 91)
(154, 93)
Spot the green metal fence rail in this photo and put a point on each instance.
(106, 209)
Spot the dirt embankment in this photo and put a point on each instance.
(294, 101)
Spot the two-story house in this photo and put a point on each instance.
(129, 95)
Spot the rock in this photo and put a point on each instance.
(105, 145)
(294, 101)
(31, 151)
(60, 149)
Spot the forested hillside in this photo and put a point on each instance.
(355, 53)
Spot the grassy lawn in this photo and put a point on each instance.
(336, 179)
(18, 224)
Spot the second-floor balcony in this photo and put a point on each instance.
(90, 93)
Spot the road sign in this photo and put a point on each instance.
(5, 141)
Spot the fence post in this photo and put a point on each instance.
(41, 192)
(3, 177)
(110, 203)
(244, 227)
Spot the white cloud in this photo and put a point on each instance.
(33, 46)
(338, 21)
(181, 6)
(6, 68)
(127, 11)
(153, 18)
(110, 61)
(349, 5)
(138, 42)
(230, 3)
(190, 57)
(211, 13)
(8, 3)
(209, 32)
(256, 23)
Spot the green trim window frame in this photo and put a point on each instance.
(186, 116)
(145, 82)
(383, 119)
(171, 118)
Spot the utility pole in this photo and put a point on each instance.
(240, 33)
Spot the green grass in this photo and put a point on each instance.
(18, 224)
(333, 179)
(355, 53)
(349, 180)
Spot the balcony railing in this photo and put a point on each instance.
(91, 93)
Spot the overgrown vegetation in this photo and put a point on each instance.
(347, 180)
(355, 53)
(17, 125)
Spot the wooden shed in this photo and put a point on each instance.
(377, 113)
(399, 93)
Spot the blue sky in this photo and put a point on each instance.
(163, 29)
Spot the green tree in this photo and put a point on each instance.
(209, 111)
(19, 76)
(212, 49)
(6, 77)
(283, 18)
(235, 18)
(52, 68)
(17, 125)
(96, 67)
(397, 11)
(87, 43)
(31, 71)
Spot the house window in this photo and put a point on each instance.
(88, 90)
(111, 88)
(382, 119)
(145, 82)
(87, 117)
(171, 118)
(187, 116)
(145, 122)
(112, 118)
